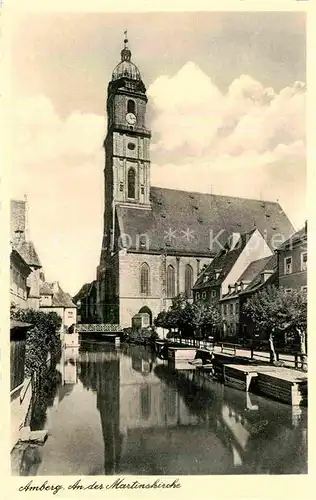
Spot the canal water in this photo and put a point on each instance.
(124, 411)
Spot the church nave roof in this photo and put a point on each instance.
(186, 222)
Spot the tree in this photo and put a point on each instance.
(274, 311)
(41, 339)
(176, 317)
(206, 317)
(189, 319)
(186, 323)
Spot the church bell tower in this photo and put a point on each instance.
(127, 160)
(126, 172)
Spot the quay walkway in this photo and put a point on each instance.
(292, 360)
(243, 370)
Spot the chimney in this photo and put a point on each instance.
(236, 288)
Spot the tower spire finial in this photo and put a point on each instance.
(125, 53)
(125, 39)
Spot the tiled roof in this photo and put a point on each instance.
(253, 269)
(46, 289)
(253, 274)
(256, 283)
(299, 236)
(62, 299)
(184, 222)
(223, 262)
(28, 252)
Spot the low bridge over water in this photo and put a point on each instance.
(107, 332)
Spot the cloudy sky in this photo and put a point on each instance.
(226, 108)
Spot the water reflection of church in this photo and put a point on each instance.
(150, 418)
(130, 399)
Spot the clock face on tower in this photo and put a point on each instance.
(131, 118)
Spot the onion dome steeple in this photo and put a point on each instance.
(126, 69)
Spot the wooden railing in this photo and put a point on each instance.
(291, 360)
(98, 328)
(199, 343)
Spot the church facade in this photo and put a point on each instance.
(156, 240)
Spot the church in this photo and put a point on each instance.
(156, 241)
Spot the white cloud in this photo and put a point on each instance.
(182, 115)
(58, 163)
(42, 133)
(192, 112)
(242, 142)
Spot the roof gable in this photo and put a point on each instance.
(60, 298)
(218, 269)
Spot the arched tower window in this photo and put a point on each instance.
(131, 106)
(170, 281)
(144, 279)
(188, 280)
(131, 183)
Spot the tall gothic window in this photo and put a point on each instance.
(144, 279)
(188, 280)
(131, 106)
(170, 281)
(131, 183)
